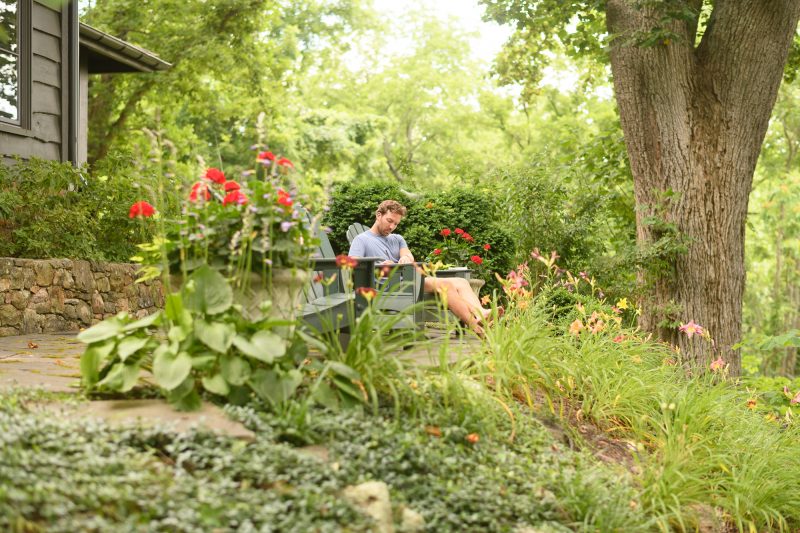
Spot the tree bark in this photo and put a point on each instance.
(694, 119)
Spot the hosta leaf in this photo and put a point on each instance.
(273, 386)
(204, 360)
(235, 370)
(211, 295)
(216, 335)
(169, 370)
(101, 331)
(92, 361)
(129, 346)
(264, 346)
(150, 320)
(173, 306)
(130, 375)
(216, 384)
(326, 396)
(120, 378)
(184, 397)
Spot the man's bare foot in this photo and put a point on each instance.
(487, 316)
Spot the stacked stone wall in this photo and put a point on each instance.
(61, 295)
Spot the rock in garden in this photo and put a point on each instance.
(372, 498)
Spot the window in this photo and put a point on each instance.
(10, 110)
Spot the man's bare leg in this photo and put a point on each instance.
(461, 300)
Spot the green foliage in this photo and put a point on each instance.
(691, 434)
(777, 398)
(367, 368)
(65, 474)
(249, 52)
(54, 210)
(211, 345)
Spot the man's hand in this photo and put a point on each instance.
(405, 259)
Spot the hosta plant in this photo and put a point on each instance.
(200, 341)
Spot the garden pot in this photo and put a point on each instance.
(476, 284)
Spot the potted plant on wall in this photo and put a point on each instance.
(255, 234)
(239, 254)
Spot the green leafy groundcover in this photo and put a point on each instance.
(62, 475)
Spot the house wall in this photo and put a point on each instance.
(48, 103)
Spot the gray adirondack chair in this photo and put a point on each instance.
(406, 286)
(337, 305)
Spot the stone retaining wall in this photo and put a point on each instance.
(59, 295)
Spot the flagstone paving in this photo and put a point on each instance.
(52, 362)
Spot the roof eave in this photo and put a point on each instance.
(120, 55)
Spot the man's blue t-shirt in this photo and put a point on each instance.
(370, 245)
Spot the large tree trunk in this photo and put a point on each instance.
(694, 119)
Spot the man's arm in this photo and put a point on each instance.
(406, 256)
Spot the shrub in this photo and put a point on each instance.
(51, 210)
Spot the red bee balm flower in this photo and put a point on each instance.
(487, 246)
(476, 259)
(473, 438)
(283, 162)
(232, 186)
(445, 232)
(215, 175)
(437, 251)
(467, 237)
(459, 231)
(141, 209)
(234, 197)
(346, 261)
(266, 156)
(199, 191)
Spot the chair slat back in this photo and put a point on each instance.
(354, 230)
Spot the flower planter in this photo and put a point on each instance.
(476, 284)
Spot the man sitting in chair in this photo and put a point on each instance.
(379, 241)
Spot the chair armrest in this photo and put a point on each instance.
(455, 272)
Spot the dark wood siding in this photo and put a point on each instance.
(44, 138)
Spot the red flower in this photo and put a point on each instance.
(487, 246)
(141, 209)
(199, 189)
(266, 156)
(367, 292)
(473, 438)
(234, 197)
(346, 261)
(232, 186)
(437, 251)
(467, 237)
(283, 162)
(459, 231)
(215, 175)
(476, 259)
(445, 232)
(284, 198)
